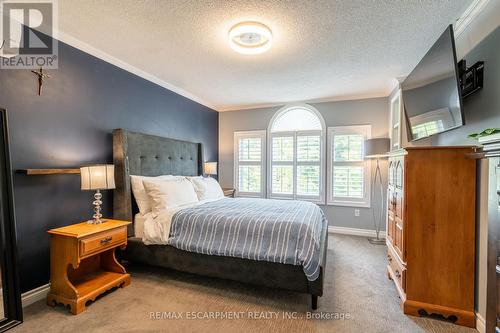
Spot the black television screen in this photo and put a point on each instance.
(431, 93)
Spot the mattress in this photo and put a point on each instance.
(280, 231)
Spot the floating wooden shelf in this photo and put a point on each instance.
(32, 172)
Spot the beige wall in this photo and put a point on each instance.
(372, 111)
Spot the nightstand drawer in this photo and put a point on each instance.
(102, 241)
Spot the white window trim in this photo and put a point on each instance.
(395, 142)
(250, 134)
(294, 196)
(354, 129)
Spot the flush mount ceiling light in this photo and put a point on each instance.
(250, 38)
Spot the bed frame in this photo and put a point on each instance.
(149, 155)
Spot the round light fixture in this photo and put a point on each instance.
(250, 38)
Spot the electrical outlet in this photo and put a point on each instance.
(356, 212)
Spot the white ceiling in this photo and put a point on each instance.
(322, 49)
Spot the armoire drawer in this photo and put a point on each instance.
(397, 268)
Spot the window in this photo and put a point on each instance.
(350, 174)
(249, 156)
(296, 154)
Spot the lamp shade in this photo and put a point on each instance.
(98, 177)
(210, 168)
(376, 148)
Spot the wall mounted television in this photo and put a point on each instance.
(431, 93)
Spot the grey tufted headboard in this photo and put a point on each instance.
(148, 155)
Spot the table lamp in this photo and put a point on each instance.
(210, 168)
(97, 178)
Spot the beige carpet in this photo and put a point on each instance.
(356, 286)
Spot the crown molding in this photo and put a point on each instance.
(100, 54)
(343, 98)
(475, 8)
(80, 45)
(460, 26)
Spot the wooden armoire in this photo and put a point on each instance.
(431, 231)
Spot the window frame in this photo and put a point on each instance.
(365, 202)
(236, 158)
(320, 199)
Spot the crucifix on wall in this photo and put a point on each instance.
(41, 76)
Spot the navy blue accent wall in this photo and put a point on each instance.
(70, 125)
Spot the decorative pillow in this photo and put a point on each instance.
(207, 188)
(140, 195)
(169, 193)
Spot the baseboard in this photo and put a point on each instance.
(480, 323)
(354, 231)
(35, 295)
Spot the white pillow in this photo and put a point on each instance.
(140, 195)
(169, 193)
(207, 188)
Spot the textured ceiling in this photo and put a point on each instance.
(322, 50)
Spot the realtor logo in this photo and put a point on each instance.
(27, 39)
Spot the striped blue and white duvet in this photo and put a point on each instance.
(281, 231)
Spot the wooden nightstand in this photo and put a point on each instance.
(83, 263)
(229, 192)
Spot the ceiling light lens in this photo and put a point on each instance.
(250, 38)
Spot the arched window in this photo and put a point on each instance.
(296, 149)
(296, 119)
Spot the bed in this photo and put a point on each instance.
(149, 155)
